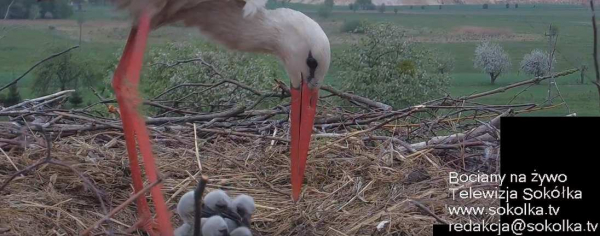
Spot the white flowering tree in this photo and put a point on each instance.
(491, 59)
(537, 63)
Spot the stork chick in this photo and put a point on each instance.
(241, 231)
(244, 206)
(185, 209)
(214, 226)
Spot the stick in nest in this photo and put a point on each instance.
(198, 192)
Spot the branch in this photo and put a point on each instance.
(47, 97)
(526, 82)
(357, 98)
(34, 66)
(207, 117)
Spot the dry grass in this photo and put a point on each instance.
(350, 187)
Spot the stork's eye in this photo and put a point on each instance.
(311, 62)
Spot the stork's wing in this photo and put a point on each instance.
(168, 11)
(241, 25)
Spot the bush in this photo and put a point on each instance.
(395, 10)
(491, 59)
(75, 99)
(13, 96)
(353, 26)
(255, 71)
(507, 5)
(422, 7)
(440, 7)
(385, 67)
(485, 6)
(516, 5)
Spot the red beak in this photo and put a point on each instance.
(304, 107)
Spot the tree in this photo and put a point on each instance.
(491, 59)
(365, 4)
(326, 9)
(507, 5)
(381, 8)
(516, 5)
(445, 63)
(395, 10)
(67, 71)
(60, 9)
(80, 21)
(329, 3)
(537, 63)
(16, 9)
(384, 66)
(582, 69)
(440, 7)
(485, 6)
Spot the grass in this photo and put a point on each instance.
(28, 43)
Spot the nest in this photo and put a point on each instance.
(369, 172)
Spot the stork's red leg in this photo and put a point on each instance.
(120, 87)
(304, 107)
(126, 82)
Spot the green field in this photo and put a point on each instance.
(446, 30)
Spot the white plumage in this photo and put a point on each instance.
(248, 26)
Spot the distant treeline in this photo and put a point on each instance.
(32, 9)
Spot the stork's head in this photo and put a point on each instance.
(305, 52)
(303, 47)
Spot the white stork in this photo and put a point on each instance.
(243, 25)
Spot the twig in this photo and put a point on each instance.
(424, 208)
(197, 150)
(120, 207)
(34, 66)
